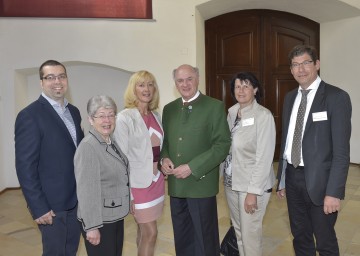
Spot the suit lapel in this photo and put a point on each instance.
(58, 121)
(138, 120)
(77, 123)
(113, 149)
(316, 106)
(158, 120)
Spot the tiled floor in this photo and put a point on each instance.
(19, 235)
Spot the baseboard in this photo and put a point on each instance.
(7, 189)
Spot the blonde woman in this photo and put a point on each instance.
(139, 134)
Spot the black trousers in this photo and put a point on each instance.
(195, 225)
(308, 220)
(111, 240)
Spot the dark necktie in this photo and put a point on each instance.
(296, 144)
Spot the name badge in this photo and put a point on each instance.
(248, 121)
(319, 116)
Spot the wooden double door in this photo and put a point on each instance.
(257, 41)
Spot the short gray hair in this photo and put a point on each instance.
(195, 70)
(99, 101)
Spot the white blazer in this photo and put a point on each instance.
(132, 136)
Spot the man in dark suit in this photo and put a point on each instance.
(197, 139)
(315, 178)
(47, 133)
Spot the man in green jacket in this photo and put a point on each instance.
(197, 139)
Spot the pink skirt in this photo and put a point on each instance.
(149, 202)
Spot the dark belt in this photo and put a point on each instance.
(297, 168)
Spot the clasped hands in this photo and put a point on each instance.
(181, 172)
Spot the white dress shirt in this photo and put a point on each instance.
(310, 98)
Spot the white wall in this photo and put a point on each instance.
(85, 81)
(176, 36)
(339, 65)
(158, 46)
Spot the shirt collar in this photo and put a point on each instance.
(53, 102)
(193, 98)
(313, 86)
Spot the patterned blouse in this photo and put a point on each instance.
(227, 162)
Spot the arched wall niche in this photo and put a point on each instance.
(85, 80)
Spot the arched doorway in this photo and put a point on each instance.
(256, 41)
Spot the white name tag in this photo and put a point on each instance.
(319, 116)
(248, 121)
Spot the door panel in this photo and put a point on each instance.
(230, 48)
(257, 41)
(282, 85)
(229, 44)
(223, 83)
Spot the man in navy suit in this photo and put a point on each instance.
(47, 133)
(314, 182)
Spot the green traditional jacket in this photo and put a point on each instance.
(197, 135)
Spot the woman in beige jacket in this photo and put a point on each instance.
(248, 171)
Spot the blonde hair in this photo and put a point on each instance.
(130, 99)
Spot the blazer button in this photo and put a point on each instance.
(112, 204)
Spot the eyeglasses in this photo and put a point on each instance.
(305, 64)
(52, 78)
(104, 117)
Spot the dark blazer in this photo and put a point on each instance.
(325, 144)
(44, 152)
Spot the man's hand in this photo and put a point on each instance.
(46, 219)
(331, 204)
(181, 172)
(93, 236)
(167, 166)
(281, 194)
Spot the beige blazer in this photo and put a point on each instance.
(132, 135)
(253, 146)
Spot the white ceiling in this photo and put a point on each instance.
(317, 10)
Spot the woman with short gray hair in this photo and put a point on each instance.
(101, 172)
